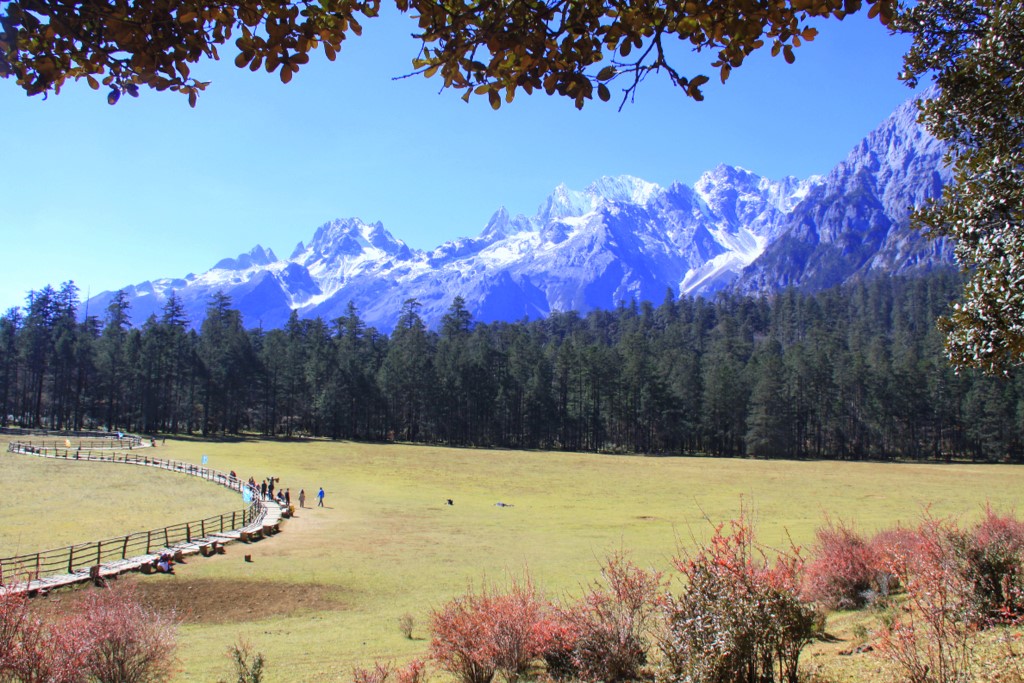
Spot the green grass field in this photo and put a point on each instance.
(327, 594)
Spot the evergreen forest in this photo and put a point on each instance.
(855, 372)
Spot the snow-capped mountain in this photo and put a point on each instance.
(855, 223)
(620, 239)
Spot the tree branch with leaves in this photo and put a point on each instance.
(975, 54)
(492, 48)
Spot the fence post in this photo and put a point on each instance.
(99, 551)
(124, 549)
(167, 539)
(71, 558)
(149, 540)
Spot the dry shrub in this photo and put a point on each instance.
(405, 625)
(413, 672)
(249, 666)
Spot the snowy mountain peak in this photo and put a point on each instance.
(257, 256)
(498, 226)
(740, 197)
(563, 203)
(624, 188)
(725, 174)
(566, 203)
(352, 237)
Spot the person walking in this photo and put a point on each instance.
(302, 498)
(320, 497)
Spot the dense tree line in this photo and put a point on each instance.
(853, 372)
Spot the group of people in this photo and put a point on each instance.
(283, 496)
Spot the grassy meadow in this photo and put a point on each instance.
(327, 594)
(50, 504)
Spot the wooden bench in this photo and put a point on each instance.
(250, 535)
(211, 549)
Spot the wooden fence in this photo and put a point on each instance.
(110, 439)
(23, 569)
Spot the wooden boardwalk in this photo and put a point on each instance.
(265, 521)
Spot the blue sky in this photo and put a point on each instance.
(111, 196)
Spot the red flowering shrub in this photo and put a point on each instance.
(109, 638)
(52, 653)
(13, 619)
(460, 640)
(844, 570)
(559, 634)
(889, 546)
(740, 618)
(607, 630)
(476, 635)
(928, 641)
(603, 636)
(996, 564)
(957, 581)
(32, 650)
(124, 642)
(413, 672)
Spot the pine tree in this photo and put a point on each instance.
(769, 418)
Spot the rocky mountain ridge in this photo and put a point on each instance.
(620, 239)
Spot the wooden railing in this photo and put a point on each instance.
(75, 558)
(111, 439)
